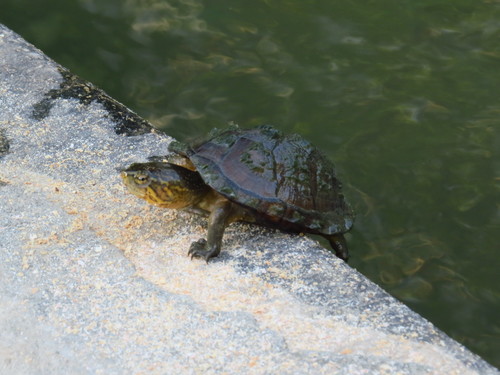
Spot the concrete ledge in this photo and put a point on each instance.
(95, 281)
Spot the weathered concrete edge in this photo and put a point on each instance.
(367, 296)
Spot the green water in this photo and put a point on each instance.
(403, 95)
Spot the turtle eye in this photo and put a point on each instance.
(141, 179)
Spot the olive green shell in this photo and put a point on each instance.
(283, 178)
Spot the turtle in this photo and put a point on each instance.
(258, 175)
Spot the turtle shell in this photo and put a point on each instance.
(282, 178)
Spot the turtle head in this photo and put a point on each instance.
(164, 184)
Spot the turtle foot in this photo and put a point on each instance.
(339, 245)
(198, 249)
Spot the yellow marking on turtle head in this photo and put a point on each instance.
(169, 195)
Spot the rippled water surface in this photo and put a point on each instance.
(403, 95)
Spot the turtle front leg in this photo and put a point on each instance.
(217, 222)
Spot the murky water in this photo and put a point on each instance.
(403, 95)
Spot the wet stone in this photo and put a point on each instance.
(4, 143)
(72, 86)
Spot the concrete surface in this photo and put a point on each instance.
(95, 281)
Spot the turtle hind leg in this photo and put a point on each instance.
(339, 245)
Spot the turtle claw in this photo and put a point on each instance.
(198, 249)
